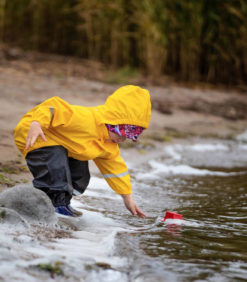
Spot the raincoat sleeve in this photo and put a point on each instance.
(52, 112)
(115, 173)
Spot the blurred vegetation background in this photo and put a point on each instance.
(190, 40)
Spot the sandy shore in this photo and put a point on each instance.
(176, 114)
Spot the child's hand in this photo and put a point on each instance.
(34, 132)
(131, 206)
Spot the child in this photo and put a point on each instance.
(57, 139)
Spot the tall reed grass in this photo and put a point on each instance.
(188, 39)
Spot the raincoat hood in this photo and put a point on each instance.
(127, 105)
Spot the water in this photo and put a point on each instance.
(206, 182)
(210, 243)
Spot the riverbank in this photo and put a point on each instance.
(178, 111)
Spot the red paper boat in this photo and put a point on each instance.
(172, 215)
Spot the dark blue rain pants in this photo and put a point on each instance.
(56, 174)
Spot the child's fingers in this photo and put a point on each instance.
(27, 143)
(140, 213)
(33, 139)
(43, 136)
(132, 210)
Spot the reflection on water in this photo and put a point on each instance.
(219, 239)
(211, 241)
(206, 183)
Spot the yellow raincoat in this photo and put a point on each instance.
(82, 131)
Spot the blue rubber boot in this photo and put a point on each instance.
(75, 212)
(63, 210)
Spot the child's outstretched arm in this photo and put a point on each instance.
(131, 205)
(116, 174)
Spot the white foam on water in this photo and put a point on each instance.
(130, 165)
(207, 147)
(172, 152)
(99, 188)
(242, 136)
(98, 183)
(100, 194)
(145, 176)
(181, 222)
(183, 170)
(87, 245)
(109, 275)
(175, 151)
(94, 243)
(99, 232)
(169, 221)
(242, 147)
(84, 248)
(94, 219)
(160, 168)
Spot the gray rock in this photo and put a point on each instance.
(31, 203)
(10, 216)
